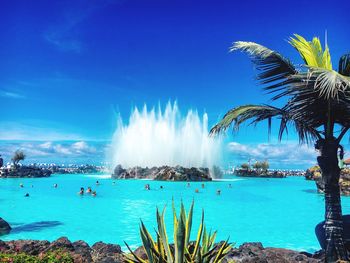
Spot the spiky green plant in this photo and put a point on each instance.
(203, 250)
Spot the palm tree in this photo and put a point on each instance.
(317, 105)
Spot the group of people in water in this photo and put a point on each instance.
(147, 187)
(218, 191)
(88, 190)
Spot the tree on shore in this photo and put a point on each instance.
(317, 105)
(265, 165)
(257, 165)
(17, 157)
(245, 166)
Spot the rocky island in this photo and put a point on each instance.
(259, 173)
(24, 171)
(163, 173)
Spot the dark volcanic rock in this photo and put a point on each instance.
(163, 173)
(109, 253)
(80, 251)
(30, 247)
(106, 253)
(256, 253)
(5, 227)
(259, 173)
(24, 171)
(61, 243)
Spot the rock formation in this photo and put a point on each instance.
(24, 171)
(101, 252)
(163, 173)
(5, 228)
(314, 173)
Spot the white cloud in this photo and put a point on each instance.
(276, 153)
(11, 94)
(53, 151)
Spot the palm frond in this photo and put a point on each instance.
(344, 65)
(241, 114)
(328, 84)
(273, 67)
(312, 52)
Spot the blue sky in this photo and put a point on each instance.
(67, 67)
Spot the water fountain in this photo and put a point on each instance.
(156, 138)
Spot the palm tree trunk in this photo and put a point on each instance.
(328, 162)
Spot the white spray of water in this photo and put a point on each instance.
(156, 138)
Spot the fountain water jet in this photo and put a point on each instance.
(157, 138)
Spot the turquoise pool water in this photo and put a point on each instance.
(276, 212)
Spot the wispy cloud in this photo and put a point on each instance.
(11, 94)
(36, 131)
(277, 153)
(49, 151)
(65, 36)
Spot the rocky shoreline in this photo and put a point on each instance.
(163, 173)
(314, 174)
(24, 172)
(101, 252)
(259, 173)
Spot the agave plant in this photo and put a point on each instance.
(203, 250)
(316, 102)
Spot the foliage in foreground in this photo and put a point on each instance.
(203, 250)
(49, 257)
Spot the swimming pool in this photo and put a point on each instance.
(276, 212)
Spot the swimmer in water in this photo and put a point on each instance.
(161, 187)
(55, 185)
(218, 192)
(82, 190)
(188, 185)
(203, 185)
(94, 193)
(26, 195)
(196, 191)
(97, 182)
(21, 185)
(88, 191)
(229, 185)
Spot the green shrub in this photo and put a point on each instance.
(57, 256)
(203, 250)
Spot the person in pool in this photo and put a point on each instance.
(97, 182)
(55, 185)
(26, 195)
(88, 191)
(218, 192)
(82, 190)
(93, 193)
(21, 185)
